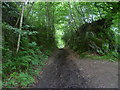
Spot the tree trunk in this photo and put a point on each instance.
(19, 36)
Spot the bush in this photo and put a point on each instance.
(18, 71)
(18, 80)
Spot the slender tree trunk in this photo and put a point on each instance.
(19, 36)
(17, 21)
(26, 15)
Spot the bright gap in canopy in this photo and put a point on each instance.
(59, 34)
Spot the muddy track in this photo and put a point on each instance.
(61, 73)
(65, 71)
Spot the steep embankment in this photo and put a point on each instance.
(64, 70)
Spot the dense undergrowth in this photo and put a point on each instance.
(20, 70)
(101, 36)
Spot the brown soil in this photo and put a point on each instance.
(65, 70)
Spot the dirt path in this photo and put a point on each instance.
(65, 70)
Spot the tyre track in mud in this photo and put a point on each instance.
(62, 72)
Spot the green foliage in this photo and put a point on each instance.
(16, 30)
(99, 31)
(0, 75)
(83, 27)
(10, 12)
(18, 80)
(25, 61)
(109, 56)
(29, 59)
